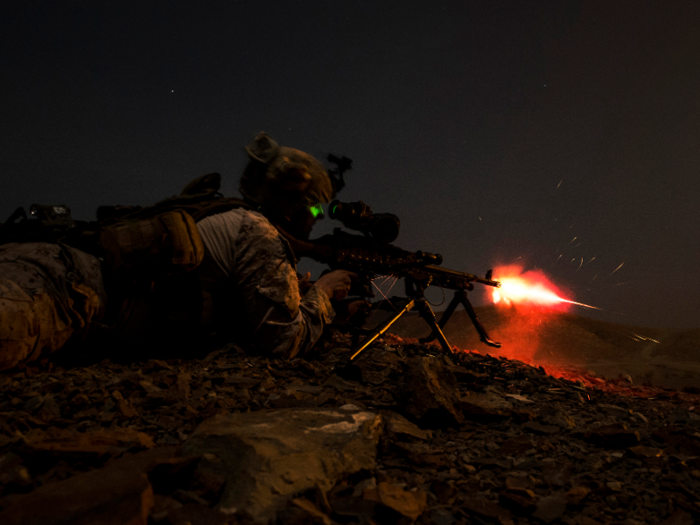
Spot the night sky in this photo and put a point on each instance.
(497, 131)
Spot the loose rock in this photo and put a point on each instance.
(269, 456)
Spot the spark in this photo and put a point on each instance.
(571, 241)
(562, 180)
(596, 275)
(645, 338)
(579, 266)
(593, 259)
(638, 338)
(616, 269)
(560, 256)
(387, 278)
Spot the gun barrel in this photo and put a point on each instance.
(455, 275)
(367, 256)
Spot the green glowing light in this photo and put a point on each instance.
(316, 210)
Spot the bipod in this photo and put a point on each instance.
(416, 300)
(460, 297)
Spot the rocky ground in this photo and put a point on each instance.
(651, 356)
(407, 435)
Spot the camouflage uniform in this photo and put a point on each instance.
(250, 286)
(51, 296)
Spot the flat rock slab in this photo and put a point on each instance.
(269, 456)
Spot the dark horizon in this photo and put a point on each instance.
(497, 132)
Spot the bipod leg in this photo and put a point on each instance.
(381, 329)
(444, 318)
(477, 323)
(426, 312)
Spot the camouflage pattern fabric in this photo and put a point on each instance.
(251, 289)
(50, 295)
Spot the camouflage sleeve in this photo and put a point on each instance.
(286, 325)
(248, 265)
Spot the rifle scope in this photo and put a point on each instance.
(383, 227)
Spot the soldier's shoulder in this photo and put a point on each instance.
(239, 217)
(257, 229)
(254, 227)
(256, 224)
(248, 230)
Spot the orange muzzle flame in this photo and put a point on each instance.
(530, 287)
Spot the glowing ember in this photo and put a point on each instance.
(531, 287)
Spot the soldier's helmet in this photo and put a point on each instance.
(283, 180)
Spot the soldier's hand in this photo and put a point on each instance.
(336, 284)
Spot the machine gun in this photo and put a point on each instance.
(372, 254)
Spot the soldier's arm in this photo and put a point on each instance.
(248, 260)
(283, 323)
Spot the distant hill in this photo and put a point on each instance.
(649, 355)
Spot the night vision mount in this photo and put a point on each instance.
(342, 164)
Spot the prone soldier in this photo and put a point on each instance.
(54, 296)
